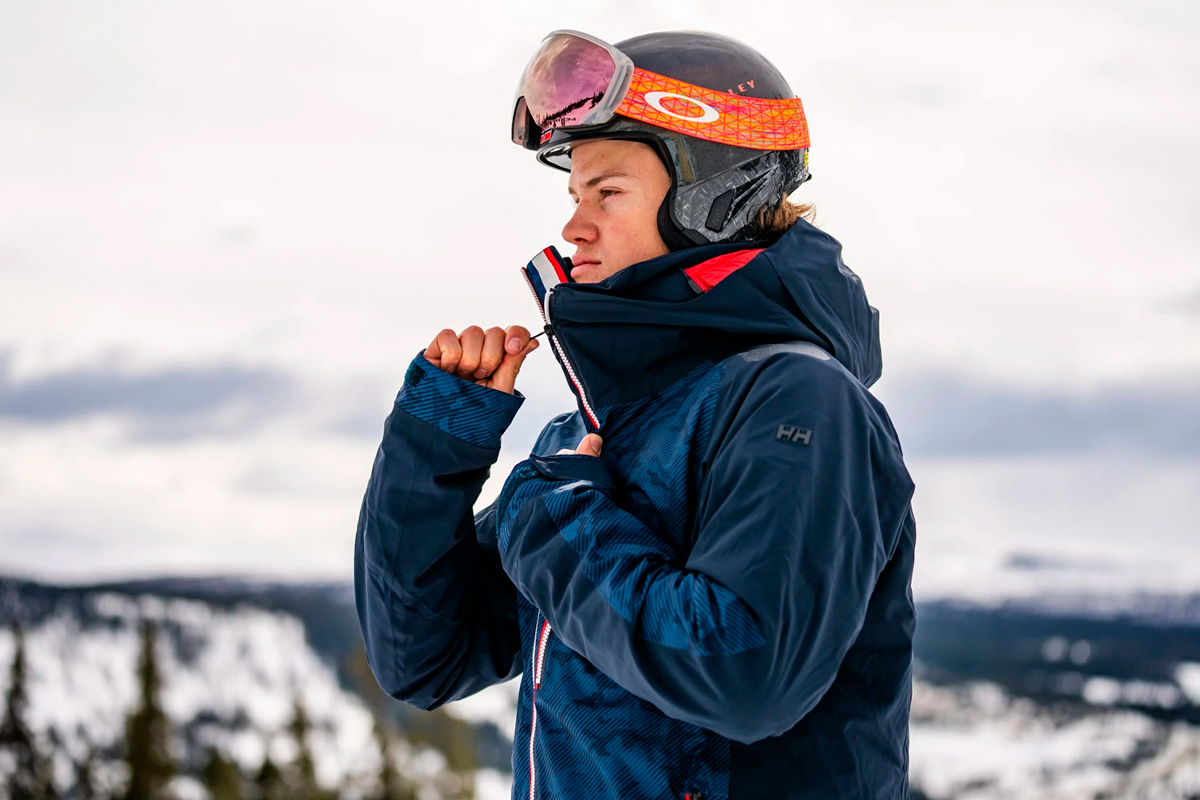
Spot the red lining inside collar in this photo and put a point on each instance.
(708, 274)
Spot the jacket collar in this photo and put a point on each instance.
(640, 330)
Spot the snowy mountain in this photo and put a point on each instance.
(1047, 698)
(977, 742)
(233, 667)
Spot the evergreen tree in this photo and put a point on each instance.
(269, 783)
(303, 771)
(31, 778)
(147, 730)
(85, 776)
(222, 777)
(392, 785)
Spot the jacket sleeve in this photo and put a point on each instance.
(437, 612)
(800, 510)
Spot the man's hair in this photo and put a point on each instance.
(775, 222)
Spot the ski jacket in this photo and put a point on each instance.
(717, 607)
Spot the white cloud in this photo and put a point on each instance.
(994, 528)
(318, 189)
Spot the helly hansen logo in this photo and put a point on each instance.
(791, 434)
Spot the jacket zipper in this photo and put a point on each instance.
(562, 353)
(539, 657)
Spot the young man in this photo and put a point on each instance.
(703, 572)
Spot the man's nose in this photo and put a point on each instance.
(579, 228)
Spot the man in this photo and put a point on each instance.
(703, 572)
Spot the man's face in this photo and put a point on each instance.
(617, 187)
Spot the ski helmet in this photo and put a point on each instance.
(721, 117)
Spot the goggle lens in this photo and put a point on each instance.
(564, 82)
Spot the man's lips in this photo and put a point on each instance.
(584, 264)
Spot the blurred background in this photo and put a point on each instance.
(226, 227)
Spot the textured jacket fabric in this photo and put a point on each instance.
(717, 607)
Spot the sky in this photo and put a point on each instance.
(225, 229)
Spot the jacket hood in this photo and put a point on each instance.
(650, 324)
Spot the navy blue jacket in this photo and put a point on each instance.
(717, 607)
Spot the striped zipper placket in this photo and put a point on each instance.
(539, 657)
(562, 354)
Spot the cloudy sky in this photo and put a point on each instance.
(225, 228)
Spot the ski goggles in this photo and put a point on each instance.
(576, 81)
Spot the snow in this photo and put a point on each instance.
(977, 743)
(1188, 677)
(1107, 692)
(492, 785)
(1056, 649)
(1081, 653)
(244, 663)
(186, 788)
(971, 741)
(1102, 691)
(495, 704)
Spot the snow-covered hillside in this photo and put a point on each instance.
(975, 742)
(1072, 699)
(230, 679)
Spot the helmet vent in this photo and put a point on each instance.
(719, 211)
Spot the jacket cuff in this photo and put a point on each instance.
(465, 410)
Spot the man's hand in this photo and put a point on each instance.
(490, 358)
(589, 446)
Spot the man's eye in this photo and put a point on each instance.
(609, 192)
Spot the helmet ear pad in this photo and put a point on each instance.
(722, 202)
(725, 206)
(673, 236)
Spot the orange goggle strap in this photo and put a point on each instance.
(715, 116)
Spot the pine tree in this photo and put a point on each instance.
(269, 783)
(85, 776)
(392, 785)
(147, 730)
(222, 777)
(303, 771)
(31, 778)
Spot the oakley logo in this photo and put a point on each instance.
(790, 434)
(654, 100)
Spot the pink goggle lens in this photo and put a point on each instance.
(566, 80)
